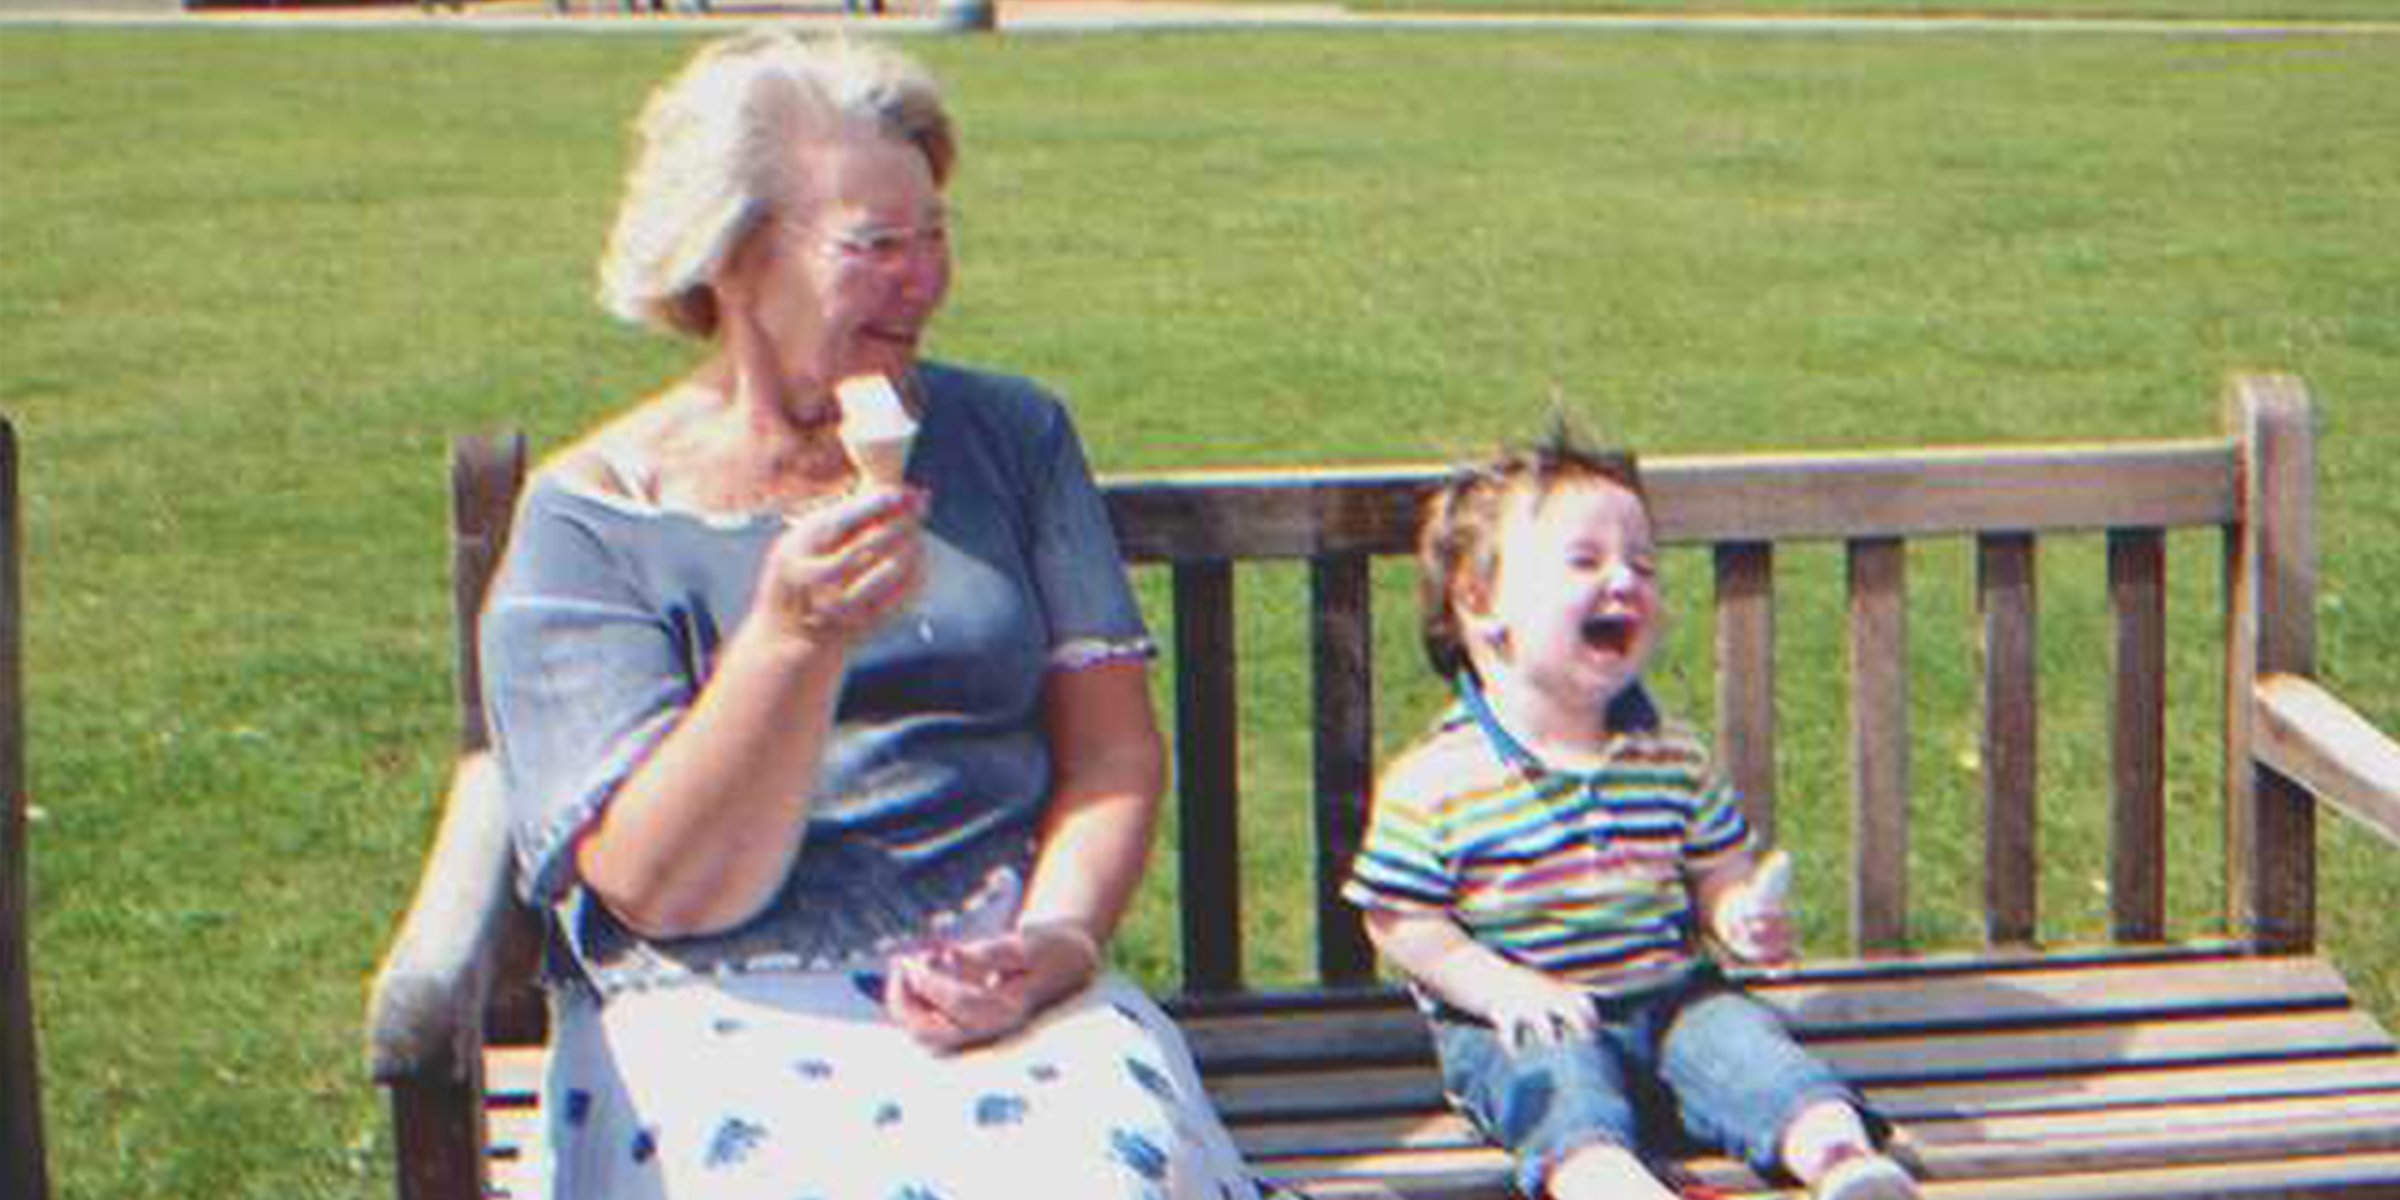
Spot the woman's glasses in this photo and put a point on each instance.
(881, 247)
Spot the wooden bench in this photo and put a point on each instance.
(2234, 1066)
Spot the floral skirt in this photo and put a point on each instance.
(795, 1087)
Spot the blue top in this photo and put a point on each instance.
(608, 615)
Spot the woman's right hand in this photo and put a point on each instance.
(842, 567)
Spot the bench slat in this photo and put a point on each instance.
(2360, 1075)
(1208, 788)
(2007, 593)
(1879, 745)
(1906, 1002)
(1706, 498)
(2137, 719)
(1415, 1116)
(1342, 597)
(1880, 1065)
(2030, 1054)
(2007, 596)
(1745, 578)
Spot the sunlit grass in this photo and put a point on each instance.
(254, 283)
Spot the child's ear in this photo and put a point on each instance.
(1477, 622)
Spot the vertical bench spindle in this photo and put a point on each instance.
(1208, 791)
(1746, 677)
(2137, 602)
(1879, 744)
(1341, 597)
(2008, 595)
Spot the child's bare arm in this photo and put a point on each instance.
(1525, 1005)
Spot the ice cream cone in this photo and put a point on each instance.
(876, 429)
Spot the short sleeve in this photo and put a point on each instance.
(1718, 827)
(582, 678)
(1400, 866)
(1085, 596)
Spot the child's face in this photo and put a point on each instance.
(1573, 606)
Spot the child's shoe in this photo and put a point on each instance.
(1865, 1177)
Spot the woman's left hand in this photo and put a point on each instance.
(959, 994)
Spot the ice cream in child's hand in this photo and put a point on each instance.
(876, 429)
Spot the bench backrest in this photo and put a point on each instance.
(2254, 483)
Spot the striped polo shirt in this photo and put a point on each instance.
(1582, 874)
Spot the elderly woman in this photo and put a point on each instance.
(835, 790)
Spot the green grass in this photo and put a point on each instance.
(255, 281)
(2139, 10)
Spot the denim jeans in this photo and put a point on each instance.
(1698, 1050)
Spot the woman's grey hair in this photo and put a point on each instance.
(715, 154)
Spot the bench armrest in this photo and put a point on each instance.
(425, 1017)
(2307, 735)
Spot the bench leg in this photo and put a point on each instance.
(438, 1140)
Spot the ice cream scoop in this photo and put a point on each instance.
(1772, 881)
(876, 429)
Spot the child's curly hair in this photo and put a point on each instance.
(1458, 538)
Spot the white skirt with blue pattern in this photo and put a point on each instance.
(794, 1086)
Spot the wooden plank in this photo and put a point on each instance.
(1208, 790)
(2137, 721)
(1342, 601)
(2346, 1177)
(2034, 997)
(2229, 1139)
(1745, 576)
(1286, 1096)
(1455, 1174)
(2270, 822)
(2309, 736)
(438, 1138)
(1903, 1003)
(1879, 745)
(24, 1164)
(1441, 1129)
(2043, 1067)
(1706, 499)
(486, 474)
(2072, 1049)
(2368, 1074)
(2291, 1125)
(2008, 596)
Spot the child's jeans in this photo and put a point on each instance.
(1734, 1074)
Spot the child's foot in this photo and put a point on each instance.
(1865, 1176)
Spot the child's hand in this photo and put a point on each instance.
(1529, 1009)
(1752, 919)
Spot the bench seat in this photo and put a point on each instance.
(2111, 1073)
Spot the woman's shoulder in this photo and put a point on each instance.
(994, 400)
(618, 460)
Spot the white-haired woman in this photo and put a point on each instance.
(834, 790)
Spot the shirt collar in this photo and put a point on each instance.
(1629, 711)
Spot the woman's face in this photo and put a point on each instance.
(845, 282)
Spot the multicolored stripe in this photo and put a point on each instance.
(1579, 873)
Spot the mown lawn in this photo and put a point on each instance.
(2135, 10)
(254, 282)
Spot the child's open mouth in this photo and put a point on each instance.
(1609, 634)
